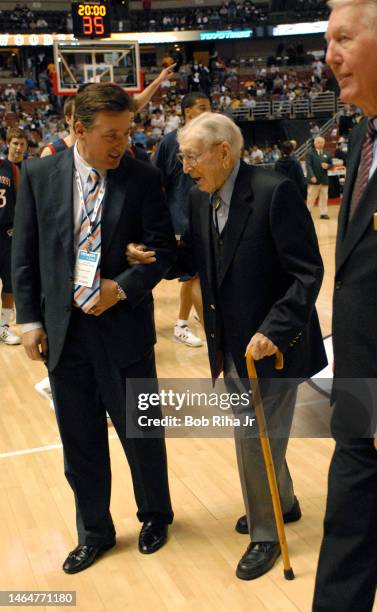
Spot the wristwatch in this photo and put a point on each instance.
(121, 293)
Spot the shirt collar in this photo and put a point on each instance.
(83, 168)
(226, 191)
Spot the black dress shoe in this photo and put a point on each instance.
(152, 536)
(83, 557)
(293, 515)
(258, 559)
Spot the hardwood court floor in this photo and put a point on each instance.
(195, 571)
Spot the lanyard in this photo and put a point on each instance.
(97, 205)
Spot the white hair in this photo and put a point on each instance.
(369, 15)
(213, 128)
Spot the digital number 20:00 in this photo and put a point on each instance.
(91, 9)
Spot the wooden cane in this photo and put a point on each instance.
(267, 456)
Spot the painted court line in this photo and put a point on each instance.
(40, 449)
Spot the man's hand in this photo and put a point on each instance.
(108, 297)
(375, 442)
(166, 73)
(261, 346)
(137, 255)
(313, 180)
(325, 165)
(35, 344)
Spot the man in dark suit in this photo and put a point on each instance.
(253, 243)
(318, 162)
(347, 569)
(89, 315)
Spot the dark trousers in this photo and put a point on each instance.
(85, 384)
(347, 570)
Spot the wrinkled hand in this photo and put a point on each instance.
(313, 180)
(136, 254)
(261, 346)
(166, 73)
(35, 344)
(108, 297)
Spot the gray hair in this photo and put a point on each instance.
(369, 15)
(213, 128)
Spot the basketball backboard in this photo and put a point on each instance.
(79, 62)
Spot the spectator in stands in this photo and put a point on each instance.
(224, 101)
(268, 156)
(30, 84)
(341, 150)
(256, 155)
(249, 102)
(42, 23)
(291, 167)
(275, 152)
(235, 102)
(9, 92)
(172, 121)
(157, 123)
(314, 129)
(139, 137)
(318, 163)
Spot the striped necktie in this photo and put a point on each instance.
(364, 168)
(216, 204)
(87, 297)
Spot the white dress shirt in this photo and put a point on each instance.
(83, 169)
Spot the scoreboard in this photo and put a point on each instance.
(91, 19)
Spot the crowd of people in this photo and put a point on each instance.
(242, 13)
(227, 14)
(33, 108)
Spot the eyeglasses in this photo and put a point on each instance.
(193, 160)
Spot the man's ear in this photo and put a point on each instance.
(79, 129)
(227, 154)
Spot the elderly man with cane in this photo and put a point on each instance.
(253, 243)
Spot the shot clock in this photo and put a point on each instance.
(91, 19)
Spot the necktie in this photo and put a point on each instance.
(216, 203)
(87, 297)
(364, 168)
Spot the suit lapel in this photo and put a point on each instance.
(205, 212)
(362, 218)
(349, 235)
(239, 212)
(61, 181)
(352, 167)
(116, 191)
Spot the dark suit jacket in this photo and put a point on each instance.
(314, 168)
(355, 294)
(272, 273)
(355, 307)
(43, 251)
